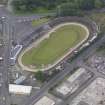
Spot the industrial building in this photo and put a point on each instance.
(20, 89)
(73, 82)
(94, 94)
(45, 101)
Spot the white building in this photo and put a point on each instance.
(45, 101)
(20, 89)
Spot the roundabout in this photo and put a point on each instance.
(53, 47)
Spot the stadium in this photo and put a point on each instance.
(64, 36)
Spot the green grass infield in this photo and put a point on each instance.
(55, 46)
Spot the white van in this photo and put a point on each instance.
(1, 58)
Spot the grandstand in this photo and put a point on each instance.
(14, 53)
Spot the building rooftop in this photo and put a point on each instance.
(45, 101)
(19, 89)
(82, 103)
(92, 95)
(70, 84)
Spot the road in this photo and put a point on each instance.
(88, 52)
(4, 52)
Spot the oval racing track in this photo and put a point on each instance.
(46, 36)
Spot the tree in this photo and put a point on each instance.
(85, 4)
(99, 4)
(40, 76)
(72, 5)
(68, 9)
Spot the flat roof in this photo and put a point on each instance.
(69, 84)
(92, 94)
(19, 89)
(76, 74)
(45, 101)
(82, 103)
